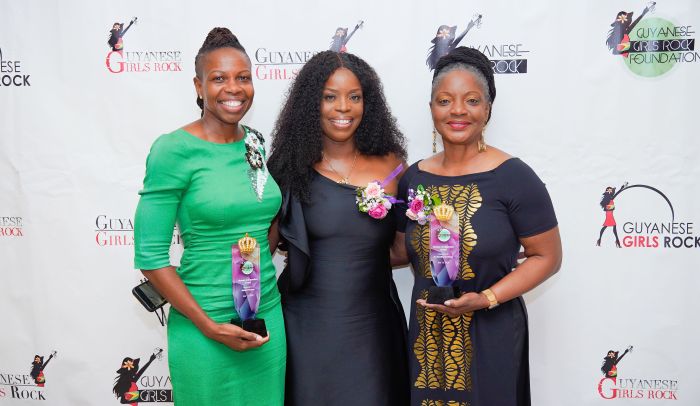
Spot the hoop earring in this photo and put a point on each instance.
(481, 144)
(434, 141)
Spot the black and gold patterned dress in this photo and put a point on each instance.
(480, 358)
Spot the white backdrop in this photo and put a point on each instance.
(74, 138)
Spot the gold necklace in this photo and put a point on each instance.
(344, 180)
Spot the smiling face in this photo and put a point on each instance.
(342, 105)
(225, 83)
(460, 108)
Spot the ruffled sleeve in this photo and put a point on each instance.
(292, 227)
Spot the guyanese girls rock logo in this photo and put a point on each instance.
(38, 366)
(640, 228)
(126, 387)
(11, 72)
(11, 226)
(614, 385)
(445, 40)
(341, 38)
(650, 46)
(29, 385)
(121, 60)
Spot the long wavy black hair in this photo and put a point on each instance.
(297, 136)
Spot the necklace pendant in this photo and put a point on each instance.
(343, 181)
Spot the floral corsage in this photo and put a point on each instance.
(372, 200)
(421, 204)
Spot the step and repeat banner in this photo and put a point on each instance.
(600, 98)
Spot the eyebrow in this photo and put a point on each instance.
(336, 90)
(223, 71)
(450, 93)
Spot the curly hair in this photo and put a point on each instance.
(217, 38)
(297, 135)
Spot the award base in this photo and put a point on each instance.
(256, 326)
(440, 294)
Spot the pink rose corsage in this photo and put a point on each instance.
(420, 204)
(372, 200)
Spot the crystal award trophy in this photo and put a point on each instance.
(245, 259)
(444, 254)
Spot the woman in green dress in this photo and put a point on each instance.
(210, 177)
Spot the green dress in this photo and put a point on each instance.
(205, 187)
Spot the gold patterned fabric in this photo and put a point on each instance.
(427, 402)
(443, 349)
(466, 201)
(443, 346)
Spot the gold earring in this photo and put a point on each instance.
(199, 95)
(434, 141)
(481, 144)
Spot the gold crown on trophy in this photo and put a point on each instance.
(443, 212)
(247, 244)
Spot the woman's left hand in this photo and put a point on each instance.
(466, 303)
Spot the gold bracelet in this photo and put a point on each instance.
(491, 297)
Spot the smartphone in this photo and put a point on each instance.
(149, 297)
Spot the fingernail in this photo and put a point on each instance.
(448, 303)
(258, 338)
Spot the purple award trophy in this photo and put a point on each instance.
(444, 254)
(246, 284)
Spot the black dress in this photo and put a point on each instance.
(345, 326)
(480, 358)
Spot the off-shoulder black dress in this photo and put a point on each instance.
(345, 326)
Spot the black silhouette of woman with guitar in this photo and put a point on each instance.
(445, 40)
(341, 38)
(618, 37)
(125, 387)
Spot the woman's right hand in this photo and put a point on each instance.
(235, 337)
(168, 283)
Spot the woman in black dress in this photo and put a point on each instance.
(345, 327)
(473, 350)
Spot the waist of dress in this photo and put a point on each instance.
(320, 253)
(223, 311)
(197, 240)
(333, 279)
(329, 250)
(309, 302)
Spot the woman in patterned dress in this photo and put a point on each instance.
(473, 350)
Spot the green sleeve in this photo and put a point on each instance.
(167, 178)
